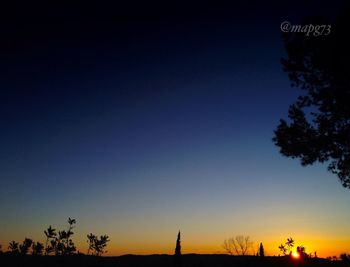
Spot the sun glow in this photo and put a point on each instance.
(296, 255)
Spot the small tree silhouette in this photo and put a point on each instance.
(238, 245)
(64, 245)
(290, 244)
(302, 252)
(13, 247)
(25, 246)
(288, 250)
(60, 243)
(345, 257)
(91, 241)
(261, 251)
(37, 249)
(97, 245)
(177, 254)
(283, 249)
(178, 245)
(50, 237)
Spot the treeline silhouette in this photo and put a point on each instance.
(60, 250)
(187, 260)
(58, 244)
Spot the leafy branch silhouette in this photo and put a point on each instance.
(97, 245)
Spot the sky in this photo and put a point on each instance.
(142, 120)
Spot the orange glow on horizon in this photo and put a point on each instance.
(122, 244)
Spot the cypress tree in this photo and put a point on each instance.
(261, 251)
(178, 245)
(177, 256)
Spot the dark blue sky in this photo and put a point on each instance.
(128, 113)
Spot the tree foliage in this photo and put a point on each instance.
(50, 245)
(28, 246)
(261, 251)
(345, 258)
(286, 248)
(64, 245)
(177, 254)
(60, 243)
(290, 243)
(178, 245)
(37, 249)
(25, 246)
(238, 245)
(13, 247)
(302, 252)
(97, 245)
(318, 129)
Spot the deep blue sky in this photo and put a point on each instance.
(146, 119)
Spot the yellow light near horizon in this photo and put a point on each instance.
(296, 255)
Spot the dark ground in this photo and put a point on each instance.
(188, 260)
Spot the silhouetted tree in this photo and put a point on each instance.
(64, 245)
(97, 245)
(283, 249)
(227, 245)
(53, 246)
(91, 240)
(318, 129)
(13, 247)
(238, 245)
(177, 254)
(302, 252)
(287, 249)
(261, 251)
(37, 249)
(345, 257)
(50, 244)
(61, 243)
(178, 245)
(290, 244)
(25, 246)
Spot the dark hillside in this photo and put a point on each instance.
(188, 260)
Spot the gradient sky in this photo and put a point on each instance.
(139, 121)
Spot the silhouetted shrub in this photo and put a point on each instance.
(61, 243)
(345, 257)
(13, 247)
(239, 245)
(302, 252)
(50, 243)
(25, 246)
(286, 249)
(97, 245)
(37, 249)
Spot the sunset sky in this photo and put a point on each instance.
(140, 121)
